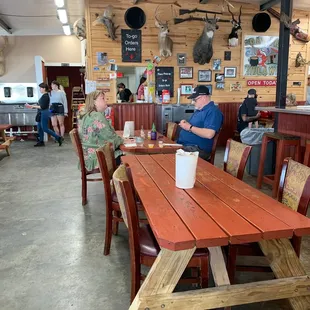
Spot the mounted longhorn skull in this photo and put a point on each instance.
(165, 43)
(203, 49)
(79, 28)
(106, 19)
(3, 46)
(233, 36)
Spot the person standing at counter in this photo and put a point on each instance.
(95, 130)
(59, 107)
(140, 89)
(125, 95)
(43, 116)
(198, 133)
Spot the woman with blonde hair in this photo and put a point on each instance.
(291, 100)
(95, 130)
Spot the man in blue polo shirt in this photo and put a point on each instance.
(197, 134)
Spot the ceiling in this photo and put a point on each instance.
(298, 4)
(46, 24)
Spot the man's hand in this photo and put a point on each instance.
(258, 115)
(185, 125)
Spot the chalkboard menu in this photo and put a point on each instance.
(131, 45)
(164, 77)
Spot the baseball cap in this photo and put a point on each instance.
(199, 91)
(252, 91)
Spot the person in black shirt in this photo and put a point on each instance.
(43, 116)
(247, 113)
(125, 95)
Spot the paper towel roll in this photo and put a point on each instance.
(185, 169)
(129, 129)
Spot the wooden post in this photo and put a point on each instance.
(284, 45)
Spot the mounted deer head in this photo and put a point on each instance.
(165, 43)
(106, 19)
(233, 36)
(203, 49)
(3, 46)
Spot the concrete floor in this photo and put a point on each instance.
(51, 247)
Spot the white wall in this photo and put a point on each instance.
(19, 55)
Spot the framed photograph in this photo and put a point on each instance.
(204, 75)
(186, 72)
(235, 87)
(209, 86)
(181, 59)
(227, 55)
(219, 77)
(220, 85)
(217, 64)
(186, 89)
(230, 72)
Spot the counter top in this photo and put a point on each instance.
(289, 110)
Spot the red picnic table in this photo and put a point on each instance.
(218, 211)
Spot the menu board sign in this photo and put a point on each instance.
(131, 45)
(164, 77)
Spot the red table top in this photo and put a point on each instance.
(5, 126)
(146, 149)
(220, 209)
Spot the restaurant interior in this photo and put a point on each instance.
(155, 154)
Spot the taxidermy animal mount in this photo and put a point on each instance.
(4, 41)
(106, 19)
(79, 28)
(203, 49)
(300, 61)
(295, 31)
(165, 43)
(233, 38)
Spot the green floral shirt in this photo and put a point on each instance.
(95, 131)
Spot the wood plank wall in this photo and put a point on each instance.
(184, 36)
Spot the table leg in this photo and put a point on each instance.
(2, 133)
(164, 274)
(285, 264)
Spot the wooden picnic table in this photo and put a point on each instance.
(218, 211)
(145, 149)
(5, 145)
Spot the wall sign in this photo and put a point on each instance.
(261, 83)
(63, 80)
(164, 79)
(260, 55)
(131, 45)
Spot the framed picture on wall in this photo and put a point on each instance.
(219, 77)
(230, 72)
(181, 59)
(186, 72)
(220, 85)
(217, 64)
(204, 75)
(186, 89)
(207, 85)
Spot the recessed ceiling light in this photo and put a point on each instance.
(62, 14)
(66, 29)
(60, 3)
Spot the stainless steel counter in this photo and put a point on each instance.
(289, 110)
(17, 115)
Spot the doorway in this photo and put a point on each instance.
(71, 77)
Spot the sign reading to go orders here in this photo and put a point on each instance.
(131, 45)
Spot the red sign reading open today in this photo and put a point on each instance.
(261, 82)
